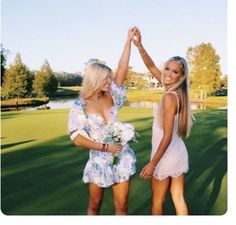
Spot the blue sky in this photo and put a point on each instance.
(68, 32)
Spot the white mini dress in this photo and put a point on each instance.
(174, 162)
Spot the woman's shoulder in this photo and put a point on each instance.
(115, 85)
(118, 93)
(169, 100)
(169, 97)
(78, 104)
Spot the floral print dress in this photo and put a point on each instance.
(99, 168)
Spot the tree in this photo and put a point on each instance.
(69, 79)
(133, 79)
(17, 81)
(205, 69)
(45, 81)
(3, 62)
(140, 82)
(224, 81)
(129, 78)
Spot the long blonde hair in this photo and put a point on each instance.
(185, 116)
(94, 76)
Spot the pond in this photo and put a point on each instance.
(66, 103)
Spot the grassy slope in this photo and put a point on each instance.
(42, 170)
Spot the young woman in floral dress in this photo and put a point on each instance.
(101, 98)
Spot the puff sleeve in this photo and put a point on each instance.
(77, 122)
(118, 94)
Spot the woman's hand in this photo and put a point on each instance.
(147, 171)
(131, 33)
(115, 149)
(137, 39)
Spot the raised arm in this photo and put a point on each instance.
(124, 59)
(145, 57)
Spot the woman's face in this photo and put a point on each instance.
(106, 83)
(172, 73)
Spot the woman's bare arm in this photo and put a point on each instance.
(124, 59)
(145, 56)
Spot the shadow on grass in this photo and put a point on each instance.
(16, 143)
(207, 147)
(9, 115)
(46, 179)
(208, 163)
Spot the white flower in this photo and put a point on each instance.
(119, 132)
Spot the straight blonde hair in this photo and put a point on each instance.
(94, 77)
(186, 117)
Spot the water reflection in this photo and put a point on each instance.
(141, 104)
(67, 103)
(61, 103)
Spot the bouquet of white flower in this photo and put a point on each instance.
(121, 133)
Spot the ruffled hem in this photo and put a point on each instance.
(160, 176)
(105, 174)
(125, 178)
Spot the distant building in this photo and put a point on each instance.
(152, 82)
(142, 81)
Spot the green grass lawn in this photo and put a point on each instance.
(155, 96)
(42, 169)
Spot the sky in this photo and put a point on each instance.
(70, 32)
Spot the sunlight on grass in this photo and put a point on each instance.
(42, 169)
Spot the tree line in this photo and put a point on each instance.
(18, 81)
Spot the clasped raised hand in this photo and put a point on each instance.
(131, 33)
(137, 37)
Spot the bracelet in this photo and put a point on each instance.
(103, 149)
(106, 148)
(152, 165)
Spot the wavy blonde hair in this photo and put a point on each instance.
(94, 77)
(186, 117)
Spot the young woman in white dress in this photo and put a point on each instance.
(172, 122)
(101, 98)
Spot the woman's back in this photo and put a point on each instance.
(175, 160)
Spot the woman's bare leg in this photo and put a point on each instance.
(177, 194)
(120, 194)
(159, 189)
(95, 199)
